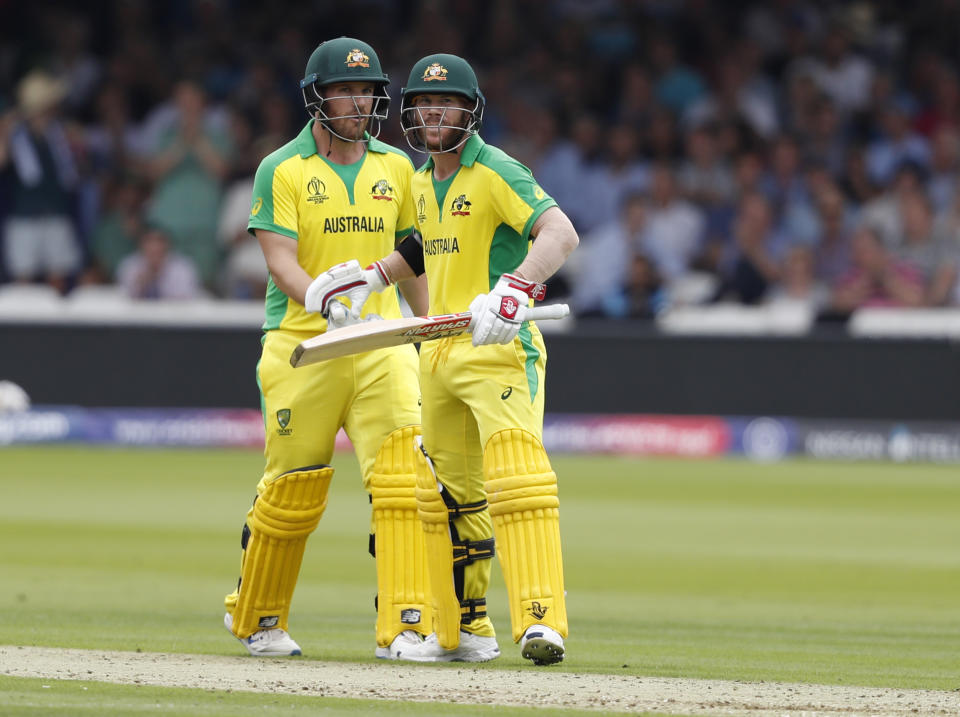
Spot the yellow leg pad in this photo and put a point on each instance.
(284, 514)
(522, 493)
(435, 519)
(403, 590)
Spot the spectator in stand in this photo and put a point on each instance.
(876, 277)
(188, 166)
(636, 96)
(72, 59)
(642, 295)
(155, 271)
(676, 86)
(602, 261)
(943, 110)
(704, 177)
(674, 227)
(783, 183)
(841, 73)
(897, 144)
(944, 164)
(581, 162)
(747, 178)
(112, 140)
(946, 225)
(835, 227)
(662, 142)
(798, 286)
(602, 190)
(117, 231)
(245, 274)
(824, 142)
(556, 161)
(882, 213)
(854, 179)
(733, 100)
(750, 265)
(933, 257)
(40, 168)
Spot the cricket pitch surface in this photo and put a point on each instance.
(464, 684)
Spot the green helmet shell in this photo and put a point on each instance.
(440, 74)
(443, 73)
(344, 59)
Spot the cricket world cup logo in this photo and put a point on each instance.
(421, 209)
(316, 191)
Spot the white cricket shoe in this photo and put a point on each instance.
(472, 648)
(407, 641)
(266, 643)
(541, 644)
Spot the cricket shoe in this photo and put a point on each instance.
(266, 643)
(406, 642)
(541, 644)
(472, 648)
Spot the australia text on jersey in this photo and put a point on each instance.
(335, 225)
(442, 245)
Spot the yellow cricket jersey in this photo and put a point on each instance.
(475, 224)
(336, 213)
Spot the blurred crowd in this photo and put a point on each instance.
(780, 152)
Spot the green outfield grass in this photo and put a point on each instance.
(801, 571)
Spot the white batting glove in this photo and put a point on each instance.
(347, 280)
(498, 316)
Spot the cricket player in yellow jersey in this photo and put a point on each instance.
(333, 194)
(483, 462)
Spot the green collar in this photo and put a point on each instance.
(307, 146)
(471, 150)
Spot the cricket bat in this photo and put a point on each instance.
(371, 335)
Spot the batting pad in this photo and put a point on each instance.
(435, 519)
(403, 590)
(284, 514)
(522, 493)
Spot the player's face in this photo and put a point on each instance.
(441, 116)
(345, 105)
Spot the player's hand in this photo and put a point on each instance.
(498, 316)
(347, 280)
(338, 315)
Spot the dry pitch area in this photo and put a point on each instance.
(528, 687)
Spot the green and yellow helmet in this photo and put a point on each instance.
(345, 59)
(434, 75)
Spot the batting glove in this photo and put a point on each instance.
(498, 316)
(347, 280)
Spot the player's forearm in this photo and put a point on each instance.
(290, 278)
(280, 253)
(397, 268)
(555, 237)
(414, 290)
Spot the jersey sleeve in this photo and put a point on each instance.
(274, 206)
(518, 198)
(405, 217)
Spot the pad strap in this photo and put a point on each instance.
(467, 552)
(470, 610)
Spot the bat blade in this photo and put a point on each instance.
(371, 335)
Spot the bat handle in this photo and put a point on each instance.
(550, 311)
